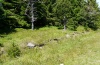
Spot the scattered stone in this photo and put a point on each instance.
(61, 64)
(67, 36)
(56, 39)
(76, 33)
(40, 47)
(31, 45)
(74, 36)
(84, 32)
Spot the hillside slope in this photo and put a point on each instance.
(80, 48)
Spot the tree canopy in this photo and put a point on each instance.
(50, 12)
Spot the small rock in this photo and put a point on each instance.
(40, 47)
(61, 64)
(31, 45)
(67, 36)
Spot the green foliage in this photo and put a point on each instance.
(91, 14)
(72, 25)
(51, 12)
(14, 11)
(1, 1)
(1, 45)
(1, 14)
(14, 51)
(80, 28)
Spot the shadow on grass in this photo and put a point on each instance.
(60, 27)
(48, 26)
(6, 31)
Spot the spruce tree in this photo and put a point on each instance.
(2, 16)
(92, 14)
(14, 13)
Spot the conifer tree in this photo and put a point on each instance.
(2, 16)
(92, 14)
(69, 13)
(14, 13)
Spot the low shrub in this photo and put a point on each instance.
(1, 45)
(14, 51)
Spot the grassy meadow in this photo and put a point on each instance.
(70, 47)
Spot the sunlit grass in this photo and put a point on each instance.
(83, 49)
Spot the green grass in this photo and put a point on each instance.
(82, 49)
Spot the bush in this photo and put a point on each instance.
(93, 25)
(14, 51)
(1, 62)
(72, 25)
(1, 45)
(80, 28)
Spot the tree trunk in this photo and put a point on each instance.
(32, 17)
(64, 25)
(32, 25)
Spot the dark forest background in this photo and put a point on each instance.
(72, 13)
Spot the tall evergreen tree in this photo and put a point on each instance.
(14, 13)
(62, 11)
(92, 14)
(46, 11)
(2, 16)
(70, 13)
